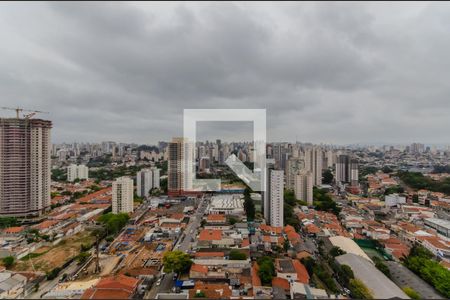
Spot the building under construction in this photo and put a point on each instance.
(24, 166)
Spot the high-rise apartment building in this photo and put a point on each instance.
(273, 210)
(24, 166)
(122, 195)
(313, 163)
(180, 167)
(293, 167)
(304, 186)
(77, 172)
(146, 180)
(346, 169)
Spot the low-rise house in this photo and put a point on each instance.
(11, 285)
(303, 291)
(114, 287)
(291, 270)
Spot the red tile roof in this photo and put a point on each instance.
(302, 273)
(12, 230)
(114, 287)
(199, 268)
(216, 218)
(209, 254)
(210, 235)
(46, 224)
(256, 281)
(281, 283)
(267, 228)
(311, 228)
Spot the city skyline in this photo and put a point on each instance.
(333, 73)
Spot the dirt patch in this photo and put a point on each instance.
(57, 255)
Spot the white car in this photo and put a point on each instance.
(158, 282)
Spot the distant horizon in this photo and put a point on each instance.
(378, 144)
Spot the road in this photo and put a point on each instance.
(183, 244)
(47, 285)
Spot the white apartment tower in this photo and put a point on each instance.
(24, 166)
(313, 163)
(146, 180)
(304, 187)
(275, 192)
(77, 171)
(122, 195)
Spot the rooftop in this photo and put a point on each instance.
(381, 286)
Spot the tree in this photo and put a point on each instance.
(249, 206)
(387, 170)
(421, 262)
(176, 261)
(266, 270)
(114, 222)
(82, 257)
(8, 222)
(359, 290)
(327, 177)
(381, 266)
(411, 293)
(200, 294)
(232, 220)
(237, 255)
(345, 273)
(336, 251)
(8, 261)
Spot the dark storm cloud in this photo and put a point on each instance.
(325, 72)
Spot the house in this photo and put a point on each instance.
(210, 291)
(291, 270)
(113, 287)
(11, 285)
(303, 291)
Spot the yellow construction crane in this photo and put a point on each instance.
(28, 116)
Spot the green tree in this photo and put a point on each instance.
(327, 177)
(114, 222)
(82, 257)
(266, 270)
(249, 206)
(345, 274)
(8, 261)
(237, 255)
(411, 293)
(232, 220)
(176, 261)
(421, 262)
(200, 294)
(387, 170)
(336, 251)
(381, 266)
(8, 222)
(359, 290)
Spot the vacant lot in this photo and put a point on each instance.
(47, 258)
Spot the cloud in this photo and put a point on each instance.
(338, 73)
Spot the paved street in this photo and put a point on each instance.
(47, 285)
(183, 244)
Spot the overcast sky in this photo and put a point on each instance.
(332, 73)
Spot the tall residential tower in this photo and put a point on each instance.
(24, 166)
